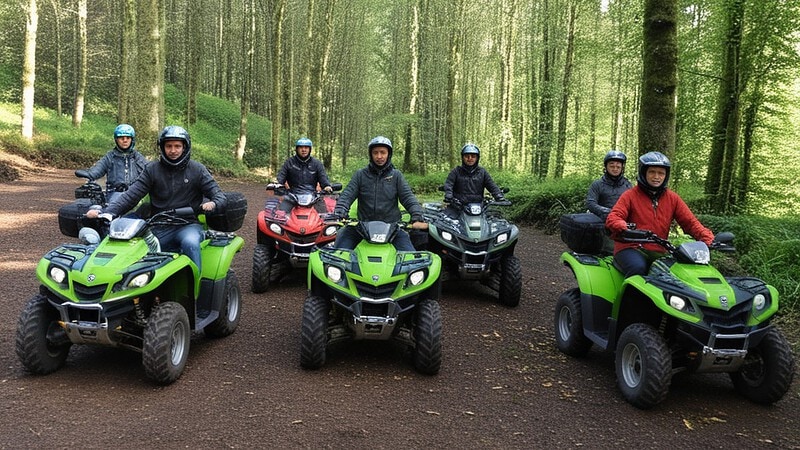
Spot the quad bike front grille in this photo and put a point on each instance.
(89, 293)
(369, 291)
(303, 238)
(734, 317)
(374, 309)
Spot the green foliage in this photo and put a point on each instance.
(544, 203)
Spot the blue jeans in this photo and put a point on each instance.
(185, 239)
(348, 238)
(633, 261)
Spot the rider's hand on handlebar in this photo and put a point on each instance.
(208, 206)
(93, 212)
(328, 189)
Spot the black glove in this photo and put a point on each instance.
(417, 218)
(448, 199)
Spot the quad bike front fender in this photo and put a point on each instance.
(217, 256)
(595, 275)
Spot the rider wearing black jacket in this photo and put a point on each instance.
(303, 172)
(465, 183)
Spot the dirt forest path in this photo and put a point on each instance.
(503, 383)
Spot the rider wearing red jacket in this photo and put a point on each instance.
(651, 206)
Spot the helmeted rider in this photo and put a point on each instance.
(174, 181)
(605, 191)
(466, 183)
(122, 164)
(378, 188)
(302, 172)
(652, 206)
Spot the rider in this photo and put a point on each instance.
(465, 183)
(604, 192)
(174, 181)
(122, 164)
(378, 187)
(303, 172)
(650, 206)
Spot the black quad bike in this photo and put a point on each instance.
(477, 245)
(683, 316)
(123, 291)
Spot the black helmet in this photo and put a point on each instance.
(383, 142)
(170, 133)
(653, 159)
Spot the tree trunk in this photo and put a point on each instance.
(125, 86)
(506, 81)
(194, 49)
(565, 93)
(545, 139)
(326, 152)
(413, 88)
(277, 103)
(148, 105)
(59, 77)
(659, 77)
(248, 46)
(29, 69)
(725, 139)
(82, 64)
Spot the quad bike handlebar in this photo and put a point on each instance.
(722, 241)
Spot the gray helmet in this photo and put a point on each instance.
(471, 149)
(380, 141)
(174, 132)
(615, 155)
(653, 159)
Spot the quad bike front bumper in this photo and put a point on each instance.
(718, 351)
(97, 323)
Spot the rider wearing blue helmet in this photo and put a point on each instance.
(302, 172)
(122, 164)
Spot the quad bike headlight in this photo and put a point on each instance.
(139, 280)
(447, 236)
(57, 274)
(329, 231)
(501, 238)
(759, 302)
(416, 278)
(677, 302)
(275, 228)
(334, 273)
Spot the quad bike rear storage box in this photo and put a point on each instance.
(70, 216)
(233, 217)
(583, 232)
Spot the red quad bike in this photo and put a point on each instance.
(284, 241)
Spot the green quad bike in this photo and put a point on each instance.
(478, 245)
(373, 292)
(123, 291)
(682, 316)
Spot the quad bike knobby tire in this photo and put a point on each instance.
(166, 343)
(768, 369)
(42, 345)
(314, 332)
(569, 325)
(231, 310)
(427, 352)
(262, 268)
(510, 281)
(644, 366)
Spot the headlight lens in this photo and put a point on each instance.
(447, 236)
(275, 228)
(58, 274)
(502, 238)
(759, 301)
(334, 274)
(330, 231)
(139, 280)
(677, 302)
(416, 278)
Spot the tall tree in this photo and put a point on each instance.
(29, 68)
(148, 105)
(277, 103)
(59, 78)
(248, 46)
(565, 93)
(82, 64)
(659, 77)
(128, 49)
(728, 117)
